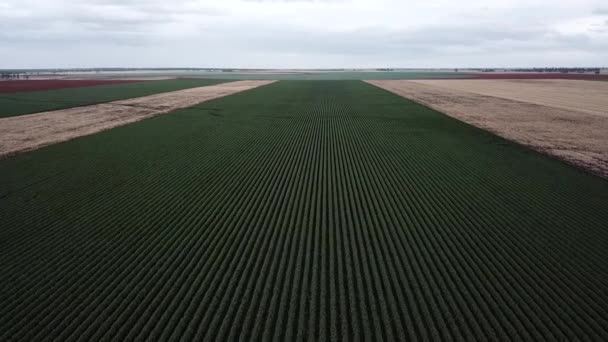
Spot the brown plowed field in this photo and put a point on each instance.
(576, 135)
(18, 86)
(29, 132)
(539, 76)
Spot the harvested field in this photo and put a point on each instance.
(40, 101)
(580, 96)
(577, 137)
(538, 76)
(18, 86)
(28, 132)
(301, 211)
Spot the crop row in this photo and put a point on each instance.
(300, 210)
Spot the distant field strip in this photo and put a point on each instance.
(329, 76)
(16, 86)
(39, 101)
(576, 136)
(28, 132)
(301, 210)
(581, 96)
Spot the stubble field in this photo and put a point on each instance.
(574, 95)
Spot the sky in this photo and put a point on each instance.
(303, 33)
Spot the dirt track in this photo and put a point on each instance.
(29, 132)
(527, 116)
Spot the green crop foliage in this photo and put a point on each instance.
(301, 210)
(333, 76)
(40, 101)
(310, 75)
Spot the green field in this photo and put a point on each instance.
(39, 101)
(310, 210)
(300, 75)
(334, 76)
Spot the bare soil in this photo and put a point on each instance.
(579, 137)
(29, 132)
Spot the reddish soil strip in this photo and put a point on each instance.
(577, 137)
(29, 132)
(538, 76)
(17, 86)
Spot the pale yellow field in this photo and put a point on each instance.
(565, 119)
(583, 96)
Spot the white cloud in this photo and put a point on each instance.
(302, 33)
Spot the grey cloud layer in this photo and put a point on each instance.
(301, 33)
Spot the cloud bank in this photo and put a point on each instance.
(302, 33)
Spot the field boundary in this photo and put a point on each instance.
(574, 137)
(32, 131)
(24, 103)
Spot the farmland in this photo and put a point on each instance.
(391, 75)
(576, 95)
(332, 76)
(540, 76)
(322, 75)
(283, 75)
(318, 210)
(17, 86)
(26, 133)
(567, 119)
(14, 104)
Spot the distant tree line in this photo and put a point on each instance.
(7, 75)
(562, 70)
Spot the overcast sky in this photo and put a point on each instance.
(302, 33)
